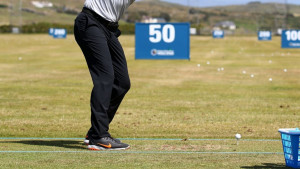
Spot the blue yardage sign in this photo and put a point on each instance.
(290, 39)
(162, 41)
(218, 34)
(58, 32)
(264, 35)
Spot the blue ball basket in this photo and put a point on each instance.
(291, 142)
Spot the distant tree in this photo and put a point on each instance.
(193, 11)
(206, 17)
(254, 3)
(134, 16)
(293, 22)
(3, 6)
(143, 13)
(166, 16)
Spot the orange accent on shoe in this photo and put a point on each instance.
(93, 149)
(106, 146)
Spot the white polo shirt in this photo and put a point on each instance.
(111, 10)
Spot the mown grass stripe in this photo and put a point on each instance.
(143, 152)
(136, 139)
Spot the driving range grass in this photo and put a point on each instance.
(45, 90)
(143, 154)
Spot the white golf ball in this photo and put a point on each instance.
(222, 68)
(270, 79)
(285, 70)
(20, 58)
(219, 69)
(198, 65)
(244, 72)
(252, 75)
(208, 62)
(238, 136)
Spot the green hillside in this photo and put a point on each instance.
(259, 8)
(248, 18)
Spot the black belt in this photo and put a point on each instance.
(112, 26)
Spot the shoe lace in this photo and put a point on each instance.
(111, 138)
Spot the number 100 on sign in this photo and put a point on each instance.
(290, 39)
(162, 41)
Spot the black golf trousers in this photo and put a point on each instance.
(108, 68)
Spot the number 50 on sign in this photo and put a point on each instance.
(162, 41)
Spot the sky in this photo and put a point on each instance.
(208, 3)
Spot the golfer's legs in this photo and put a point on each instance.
(93, 43)
(121, 78)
